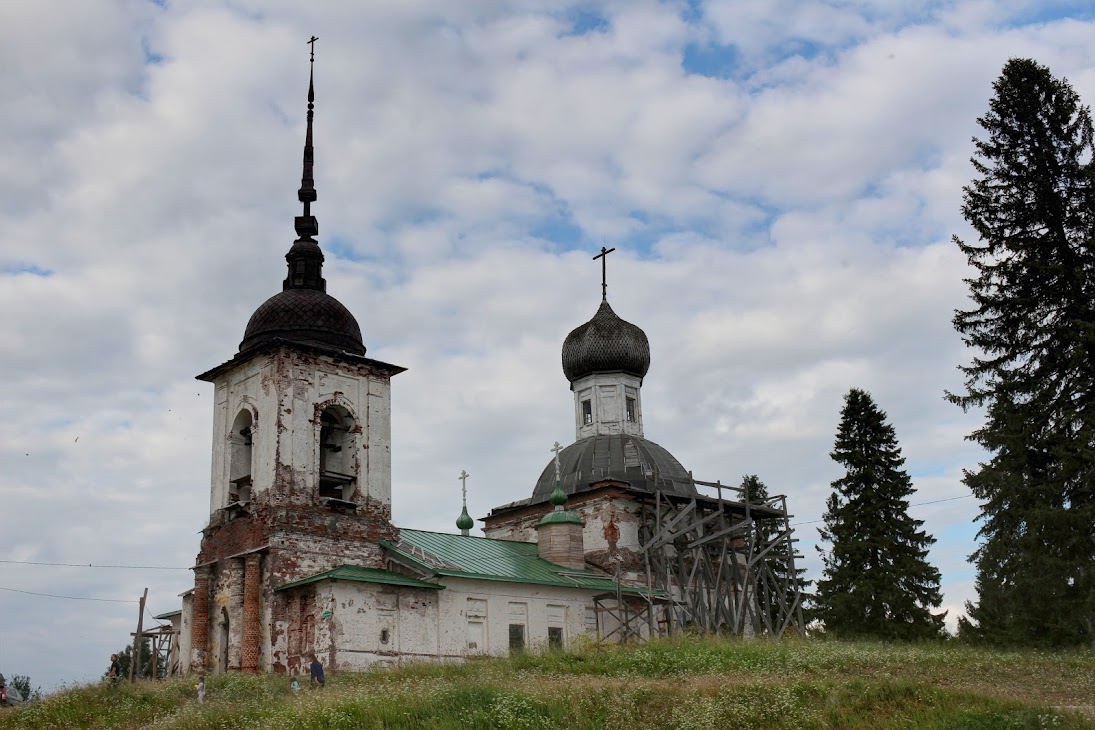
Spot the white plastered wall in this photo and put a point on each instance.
(608, 394)
(426, 624)
(282, 390)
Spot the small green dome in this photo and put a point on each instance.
(558, 497)
(464, 521)
(561, 517)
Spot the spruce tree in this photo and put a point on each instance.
(1033, 325)
(780, 583)
(877, 581)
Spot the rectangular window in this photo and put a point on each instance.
(516, 637)
(587, 412)
(477, 629)
(555, 637)
(631, 409)
(476, 636)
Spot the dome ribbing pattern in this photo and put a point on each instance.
(605, 343)
(643, 464)
(307, 317)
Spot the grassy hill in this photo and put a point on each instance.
(684, 683)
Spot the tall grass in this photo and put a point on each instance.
(682, 683)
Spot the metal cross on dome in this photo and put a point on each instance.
(603, 256)
(556, 448)
(464, 485)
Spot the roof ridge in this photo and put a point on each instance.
(477, 537)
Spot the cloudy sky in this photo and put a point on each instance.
(780, 179)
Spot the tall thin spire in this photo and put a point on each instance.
(307, 226)
(305, 258)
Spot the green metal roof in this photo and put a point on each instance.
(362, 575)
(466, 556)
(169, 614)
(561, 517)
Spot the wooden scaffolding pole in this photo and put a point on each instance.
(135, 658)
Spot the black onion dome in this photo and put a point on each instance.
(641, 463)
(605, 343)
(307, 317)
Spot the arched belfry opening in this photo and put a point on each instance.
(241, 458)
(337, 463)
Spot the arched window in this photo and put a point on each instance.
(240, 454)
(337, 466)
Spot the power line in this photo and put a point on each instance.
(918, 504)
(159, 622)
(71, 598)
(92, 565)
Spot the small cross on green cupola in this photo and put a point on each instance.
(464, 522)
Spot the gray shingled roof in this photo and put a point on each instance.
(305, 316)
(621, 457)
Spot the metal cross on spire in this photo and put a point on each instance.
(603, 256)
(312, 43)
(464, 485)
(557, 448)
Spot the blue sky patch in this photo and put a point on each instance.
(23, 268)
(1048, 11)
(713, 60)
(150, 56)
(340, 247)
(558, 229)
(584, 21)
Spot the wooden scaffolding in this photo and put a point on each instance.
(721, 562)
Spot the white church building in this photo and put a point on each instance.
(617, 540)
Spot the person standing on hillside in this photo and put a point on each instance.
(317, 672)
(115, 670)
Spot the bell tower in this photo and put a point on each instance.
(301, 473)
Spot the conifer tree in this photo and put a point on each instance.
(780, 594)
(877, 580)
(1033, 325)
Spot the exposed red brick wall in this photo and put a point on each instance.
(199, 637)
(251, 620)
(232, 575)
(300, 540)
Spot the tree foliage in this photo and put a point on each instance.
(1033, 327)
(144, 669)
(21, 682)
(877, 581)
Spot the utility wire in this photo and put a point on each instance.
(159, 623)
(71, 598)
(92, 565)
(918, 504)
